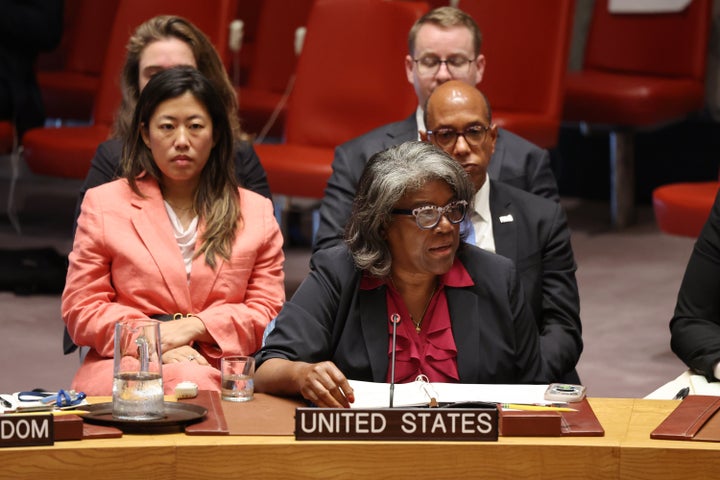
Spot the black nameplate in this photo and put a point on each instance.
(26, 430)
(468, 424)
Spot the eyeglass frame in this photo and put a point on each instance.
(463, 133)
(442, 212)
(466, 63)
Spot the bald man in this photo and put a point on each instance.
(528, 229)
(444, 45)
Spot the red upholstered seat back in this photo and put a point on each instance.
(664, 44)
(90, 36)
(350, 75)
(274, 58)
(526, 45)
(212, 17)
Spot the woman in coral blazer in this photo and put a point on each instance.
(174, 235)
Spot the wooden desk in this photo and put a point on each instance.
(625, 452)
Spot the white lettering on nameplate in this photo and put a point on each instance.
(22, 431)
(472, 424)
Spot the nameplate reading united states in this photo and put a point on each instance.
(27, 430)
(469, 424)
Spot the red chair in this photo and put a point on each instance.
(350, 79)
(273, 65)
(7, 137)
(68, 151)
(69, 93)
(249, 12)
(526, 44)
(640, 71)
(683, 208)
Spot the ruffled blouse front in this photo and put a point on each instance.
(431, 351)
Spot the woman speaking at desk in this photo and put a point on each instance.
(174, 235)
(460, 312)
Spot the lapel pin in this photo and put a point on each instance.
(506, 218)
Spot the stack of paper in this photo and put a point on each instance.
(377, 395)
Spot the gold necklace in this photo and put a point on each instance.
(418, 324)
(181, 209)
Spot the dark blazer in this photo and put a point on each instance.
(330, 318)
(695, 326)
(515, 161)
(105, 166)
(537, 240)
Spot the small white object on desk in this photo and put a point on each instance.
(186, 390)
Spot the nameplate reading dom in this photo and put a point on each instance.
(468, 424)
(24, 431)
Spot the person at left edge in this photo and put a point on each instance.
(174, 234)
(27, 27)
(462, 314)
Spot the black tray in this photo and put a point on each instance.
(177, 415)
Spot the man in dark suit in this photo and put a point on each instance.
(530, 230)
(444, 45)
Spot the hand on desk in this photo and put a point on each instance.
(325, 385)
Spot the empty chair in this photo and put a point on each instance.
(248, 11)
(68, 151)
(640, 71)
(69, 92)
(273, 65)
(349, 80)
(526, 44)
(683, 208)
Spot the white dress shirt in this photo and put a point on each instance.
(481, 218)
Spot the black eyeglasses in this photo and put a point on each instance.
(428, 216)
(429, 65)
(446, 137)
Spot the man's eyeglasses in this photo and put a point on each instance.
(428, 216)
(457, 65)
(446, 137)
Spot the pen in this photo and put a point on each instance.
(682, 393)
(536, 408)
(6, 403)
(56, 413)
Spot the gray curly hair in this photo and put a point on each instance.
(388, 176)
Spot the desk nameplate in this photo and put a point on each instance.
(26, 430)
(456, 424)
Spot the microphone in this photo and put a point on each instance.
(236, 35)
(394, 319)
(299, 39)
(235, 42)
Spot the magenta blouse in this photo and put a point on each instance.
(432, 351)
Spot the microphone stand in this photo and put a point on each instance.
(394, 319)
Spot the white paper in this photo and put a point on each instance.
(697, 383)
(377, 395)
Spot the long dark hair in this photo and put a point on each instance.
(216, 198)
